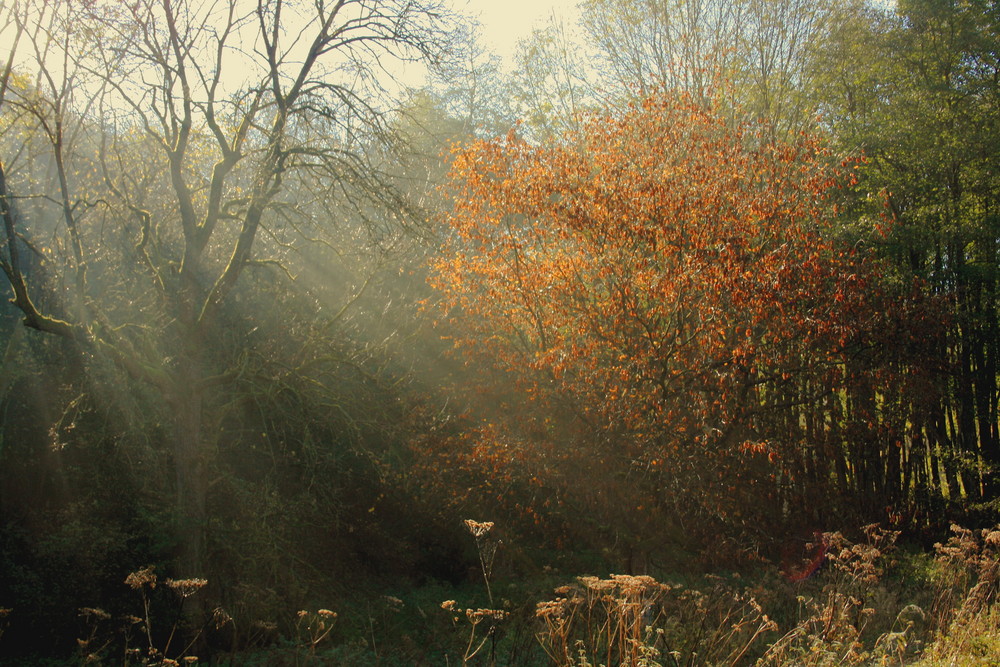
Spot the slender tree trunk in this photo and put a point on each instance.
(191, 459)
(985, 371)
(191, 479)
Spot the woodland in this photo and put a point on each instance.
(328, 337)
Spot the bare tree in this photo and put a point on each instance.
(779, 38)
(550, 88)
(191, 141)
(650, 45)
(753, 54)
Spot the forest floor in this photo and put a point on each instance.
(867, 603)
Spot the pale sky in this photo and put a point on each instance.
(503, 23)
(506, 21)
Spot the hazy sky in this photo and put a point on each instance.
(506, 21)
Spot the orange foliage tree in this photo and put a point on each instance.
(666, 287)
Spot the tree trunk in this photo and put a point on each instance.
(190, 469)
(191, 456)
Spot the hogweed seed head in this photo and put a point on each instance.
(96, 612)
(477, 615)
(478, 528)
(186, 587)
(142, 577)
(552, 608)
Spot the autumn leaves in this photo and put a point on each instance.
(672, 285)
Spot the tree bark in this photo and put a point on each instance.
(191, 457)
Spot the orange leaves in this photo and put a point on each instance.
(663, 276)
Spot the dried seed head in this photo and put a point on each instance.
(220, 617)
(96, 612)
(478, 528)
(186, 587)
(597, 584)
(550, 609)
(142, 577)
(477, 615)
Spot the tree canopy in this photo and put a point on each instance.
(671, 283)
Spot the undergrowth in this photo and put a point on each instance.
(857, 603)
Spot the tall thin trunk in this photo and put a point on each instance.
(191, 458)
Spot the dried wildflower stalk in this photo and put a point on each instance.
(637, 620)
(486, 548)
(145, 580)
(91, 649)
(313, 627)
(832, 623)
(475, 617)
